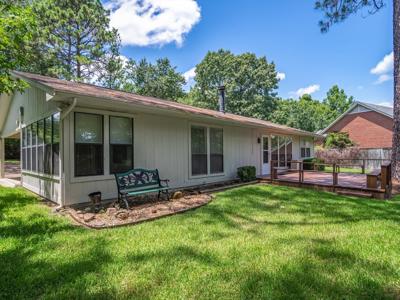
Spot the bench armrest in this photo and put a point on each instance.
(165, 181)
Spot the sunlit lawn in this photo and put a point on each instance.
(251, 242)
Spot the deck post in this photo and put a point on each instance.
(2, 157)
(334, 175)
(363, 166)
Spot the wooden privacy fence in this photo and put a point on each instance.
(378, 180)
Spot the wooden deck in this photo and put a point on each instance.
(325, 178)
(348, 183)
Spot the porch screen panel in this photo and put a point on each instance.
(34, 143)
(199, 150)
(23, 149)
(40, 146)
(121, 144)
(282, 151)
(47, 145)
(274, 148)
(88, 144)
(28, 148)
(289, 149)
(216, 151)
(56, 144)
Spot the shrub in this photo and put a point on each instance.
(12, 149)
(338, 140)
(310, 166)
(246, 173)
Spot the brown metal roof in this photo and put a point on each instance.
(59, 85)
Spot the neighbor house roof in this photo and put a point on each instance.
(384, 110)
(54, 85)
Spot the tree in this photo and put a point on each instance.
(337, 100)
(305, 113)
(110, 71)
(337, 11)
(250, 83)
(72, 37)
(338, 140)
(157, 80)
(16, 27)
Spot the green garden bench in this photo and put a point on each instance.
(140, 181)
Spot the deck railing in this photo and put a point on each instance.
(383, 175)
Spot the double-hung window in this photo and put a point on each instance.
(207, 150)
(89, 145)
(121, 144)
(305, 148)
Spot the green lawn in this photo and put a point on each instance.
(250, 243)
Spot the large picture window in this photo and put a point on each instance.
(88, 144)
(207, 150)
(121, 144)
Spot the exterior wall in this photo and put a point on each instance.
(369, 130)
(33, 100)
(162, 142)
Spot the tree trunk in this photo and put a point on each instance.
(396, 104)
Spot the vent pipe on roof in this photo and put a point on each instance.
(221, 102)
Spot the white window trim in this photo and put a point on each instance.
(208, 175)
(301, 146)
(106, 146)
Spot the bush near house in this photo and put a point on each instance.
(309, 164)
(246, 173)
(338, 140)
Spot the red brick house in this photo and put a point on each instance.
(370, 126)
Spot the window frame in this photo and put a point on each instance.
(305, 148)
(74, 163)
(209, 174)
(109, 141)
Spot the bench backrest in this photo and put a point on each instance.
(137, 179)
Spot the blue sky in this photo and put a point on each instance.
(285, 31)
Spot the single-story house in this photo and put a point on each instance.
(370, 126)
(75, 136)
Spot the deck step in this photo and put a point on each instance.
(355, 194)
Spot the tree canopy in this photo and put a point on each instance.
(157, 80)
(72, 37)
(250, 83)
(337, 101)
(16, 27)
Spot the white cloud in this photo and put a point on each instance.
(153, 22)
(189, 74)
(382, 78)
(307, 90)
(281, 75)
(384, 66)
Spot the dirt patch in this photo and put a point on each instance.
(110, 215)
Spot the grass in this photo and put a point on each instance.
(249, 243)
(12, 161)
(346, 170)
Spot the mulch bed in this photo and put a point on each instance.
(145, 209)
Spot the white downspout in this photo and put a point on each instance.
(65, 113)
